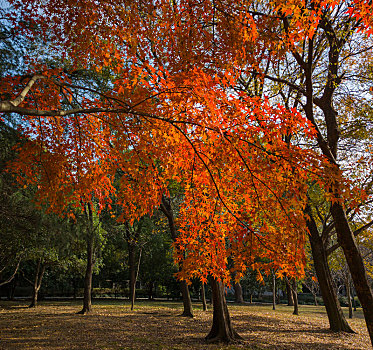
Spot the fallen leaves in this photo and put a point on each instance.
(157, 325)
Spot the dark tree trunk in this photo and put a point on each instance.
(329, 146)
(87, 296)
(274, 292)
(10, 292)
(187, 302)
(289, 293)
(203, 296)
(221, 330)
(40, 269)
(295, 296)
(347, 241)
(238, 296)
(132, 270)
(337, 320)
(353, 299)
(74, 289)
(167, 211)
(348, 291)
(150, 290)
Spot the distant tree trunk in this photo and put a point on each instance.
(87, 296)
(274, 292)
(289, 293)
(10, 291)
(348, 290)
(251, 298)
(11, 277)
(238, 296)
(167, 211)
(40, 269)
(150, 290)
(203, 295)
(353, 298)
(221, 330)
(132, 270)
(337, 320)
(295, 296)
(74, 282)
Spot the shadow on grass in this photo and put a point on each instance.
(155, 326)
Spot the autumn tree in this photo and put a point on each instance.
(175, 98)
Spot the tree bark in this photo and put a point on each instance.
(274, 292)
(40, 269)
(238, 296)
(87, 297)
(353, 298)
(289, 293)
(203, 295)
(348, 292)
(295, 297)
(187, 302)
(337, 320)
(132, 270)
(150, 290)
(221, 330)
(167, 211)
(355, 263)
(329, 147)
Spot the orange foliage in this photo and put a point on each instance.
(174, 113)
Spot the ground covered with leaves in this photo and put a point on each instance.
(157, 325)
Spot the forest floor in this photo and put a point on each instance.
(157, 325)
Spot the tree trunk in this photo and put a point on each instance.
(238, 297)
(348, 292)
(295, 297)
(37, 282)
(187, 302)
(150, 290)
(87, 298)
(347, 241)
(221, 330)
(167, 211)
(12, 289)
(353, 299)
(132, 268)
(346, 238)
(274, 292)
(337, 320)
(289, 293)
(203, 295)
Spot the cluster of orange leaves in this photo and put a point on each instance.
(173, 114)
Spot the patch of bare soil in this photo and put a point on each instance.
(159, 326)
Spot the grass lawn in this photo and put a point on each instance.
(156, 325)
